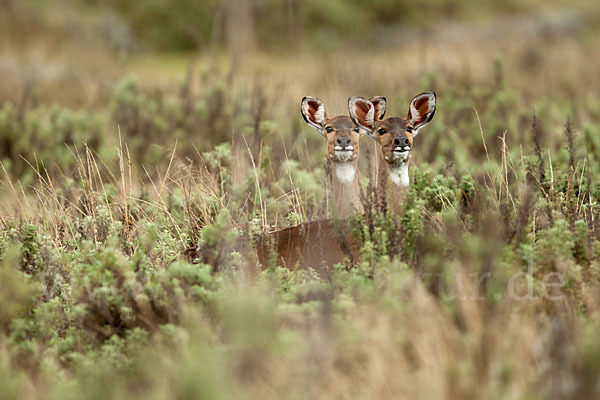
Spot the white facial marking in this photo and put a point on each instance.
(345, 172)
(399, 175)
(343, 156)
(400, 153)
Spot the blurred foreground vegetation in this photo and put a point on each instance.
(124, 200)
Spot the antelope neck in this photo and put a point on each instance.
(345, 188)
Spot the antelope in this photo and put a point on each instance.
(395, 135)
(325, 242)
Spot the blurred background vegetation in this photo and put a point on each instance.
(94, 41)
(285, 25)
(140, 140)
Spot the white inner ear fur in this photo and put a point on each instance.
(370, 118)
(399, 175)
(380, 109)
(345, 172)
(320, 114)
(415, 116)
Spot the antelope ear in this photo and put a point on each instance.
(313, 112)
(362, 112)
(379, 104)
(421, 110)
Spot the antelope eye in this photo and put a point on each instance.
(329, 129)
(356, 129)
(382, 131)
(409, 129)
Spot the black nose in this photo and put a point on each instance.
(343, 141)
(401, 141)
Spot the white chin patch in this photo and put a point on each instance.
(400, 155)
(399, 175)
(345, 172)
(343, 156)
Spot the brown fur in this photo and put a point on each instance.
(316, 244)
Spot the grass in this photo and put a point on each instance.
(127, 220)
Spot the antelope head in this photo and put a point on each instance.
(341, 134)
(395, 135)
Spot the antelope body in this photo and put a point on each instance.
(315, 244)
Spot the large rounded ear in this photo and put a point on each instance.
(421, 110)
(379, 104)
(362, 112)
(313, 112)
